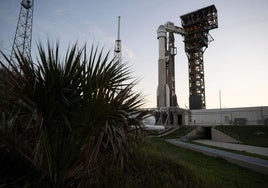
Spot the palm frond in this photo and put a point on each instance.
(72, 116)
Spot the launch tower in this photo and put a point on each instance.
(196, 39)
(23, 36)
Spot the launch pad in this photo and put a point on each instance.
(195, 31)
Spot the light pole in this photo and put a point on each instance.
(220, 105)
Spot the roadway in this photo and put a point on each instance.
(256, 164)
(239, 147)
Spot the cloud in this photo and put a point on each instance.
(95, 30)
(59, 12)
(84, 31)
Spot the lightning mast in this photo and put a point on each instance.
(117, 48)
(23, 36)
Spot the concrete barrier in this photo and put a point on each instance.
(221, 137)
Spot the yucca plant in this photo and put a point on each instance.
(67, 119)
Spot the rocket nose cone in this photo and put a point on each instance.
(161, 28)
(161, 31)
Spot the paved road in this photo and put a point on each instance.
(239, 147)
(252, 163)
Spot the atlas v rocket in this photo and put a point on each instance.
(162, 89)
(166, 96)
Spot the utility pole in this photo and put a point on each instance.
(220, 105)
(220, 97)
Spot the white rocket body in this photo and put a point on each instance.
(162, 89)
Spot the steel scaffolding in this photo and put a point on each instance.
(196, 39)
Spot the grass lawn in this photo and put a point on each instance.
(208, 171)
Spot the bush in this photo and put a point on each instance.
(64, 122)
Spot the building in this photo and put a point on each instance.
(229, 116)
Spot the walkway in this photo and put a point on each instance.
(238, 147)
(252, 163)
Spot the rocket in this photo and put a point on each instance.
(166, 96)
(162, 89)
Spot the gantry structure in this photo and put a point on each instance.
(195, 31)
(196, 39)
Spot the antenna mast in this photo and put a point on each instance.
(23, 36)
(117, 49)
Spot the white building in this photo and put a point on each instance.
(228, 116)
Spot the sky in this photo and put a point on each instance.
(235, 63)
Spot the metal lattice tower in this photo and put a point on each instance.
(23, 36)
(196, 38)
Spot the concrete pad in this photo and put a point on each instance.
(239, 147)
(258, 165)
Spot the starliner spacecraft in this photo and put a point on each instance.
(195, 31)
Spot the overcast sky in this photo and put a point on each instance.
(236, 62)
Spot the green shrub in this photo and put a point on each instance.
(65, 121)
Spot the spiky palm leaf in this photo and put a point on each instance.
(69, 117)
